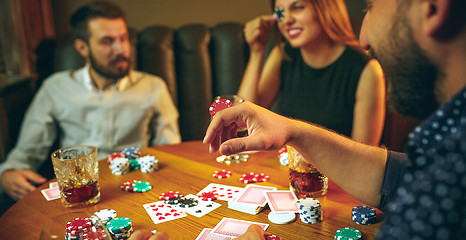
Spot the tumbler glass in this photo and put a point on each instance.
(305, 180)
(77, 171)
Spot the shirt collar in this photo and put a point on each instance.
(120, 85)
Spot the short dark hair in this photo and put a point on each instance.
(80, 19)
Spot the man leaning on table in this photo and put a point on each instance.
(105, 103)
(421, 45)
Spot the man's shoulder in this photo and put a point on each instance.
(61, 76)
(146, 78)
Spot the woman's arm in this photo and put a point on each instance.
(369, 109)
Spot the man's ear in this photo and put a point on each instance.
(438, 14)
(82, 47)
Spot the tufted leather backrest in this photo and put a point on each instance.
(197, 62)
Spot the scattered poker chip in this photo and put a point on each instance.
(208, 196)
(219, 105)
(248, 178)
(188, 202)
(175, 201)
(262, 177)
(281, 218)
(128, 186)
(271, 237)
(347, 234)
(222, 174)
(141, 186)
(169, 195)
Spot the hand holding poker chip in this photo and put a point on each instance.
(219, 105)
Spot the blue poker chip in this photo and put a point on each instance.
(363, 215)
(131, 152)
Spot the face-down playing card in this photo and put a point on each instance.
(235, 227)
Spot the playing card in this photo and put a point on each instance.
(207, 234)
(199, 210)
(281, 201)
(53, 185)
(234, 227)
(253, 195)
(51, 193)
(226, 193)
(161, 212)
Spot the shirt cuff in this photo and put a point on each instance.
(394, 170)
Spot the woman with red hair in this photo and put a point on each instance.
(318, 73)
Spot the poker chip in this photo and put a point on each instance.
(208, 196)
(279, 14)
(104, 216)
(310, 210)
(128, 186)
(221, 174)
(131, 152)
(141, 186)
(77, 227)
(175, 201)
(248, 178)
(281, 218)
(347, 234)
(188, 202)
(363, 215)
(112, 156)
(169, 195)
(121, 225)
(219, 105)
(95, 234)
(271, 237)
(148, 163)
(262, 177)
(134, 164)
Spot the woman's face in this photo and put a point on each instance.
(300, 25)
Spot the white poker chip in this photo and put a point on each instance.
(281, 218)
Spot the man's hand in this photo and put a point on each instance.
(17, 183)
(147, 235)
(254, 232)
(266, 130)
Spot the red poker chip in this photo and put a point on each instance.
(208, 196)
(112, 156)
(219, 105)
(128, 186)
(282, 151)
(271, 237)
(169, 195)
(262, 177)
(221, 174)
(248, 178)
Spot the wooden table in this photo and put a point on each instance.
(187, 168)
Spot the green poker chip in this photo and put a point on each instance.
(119, 225)
(348, 234)
(134, 164)
(141, 186)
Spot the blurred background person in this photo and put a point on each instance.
(319, 73)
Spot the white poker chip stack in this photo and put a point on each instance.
(148, 164)
(310, 210)
(104, 216)
(119, 166)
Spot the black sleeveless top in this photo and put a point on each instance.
(323, 96)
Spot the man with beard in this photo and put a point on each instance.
(104, 104)
(421, 45)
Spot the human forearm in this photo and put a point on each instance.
(250, 82)
(356, 168)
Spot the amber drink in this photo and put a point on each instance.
(77, 171)
(305, 180)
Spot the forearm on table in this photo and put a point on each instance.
(357, 168)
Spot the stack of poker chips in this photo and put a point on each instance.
(119, 166)
(283, 156)
(131, 152)
(76, 228)
(363, 215)
(103, 216)
(148, 164)
(310, 210)
(120, 228)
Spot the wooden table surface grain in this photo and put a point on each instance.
(187, 168)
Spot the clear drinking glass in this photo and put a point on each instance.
(55, 228)
(234, 158)
(305, 179)
(77, 171)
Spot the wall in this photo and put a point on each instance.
(175, 13)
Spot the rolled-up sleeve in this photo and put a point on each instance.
(396, 166)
